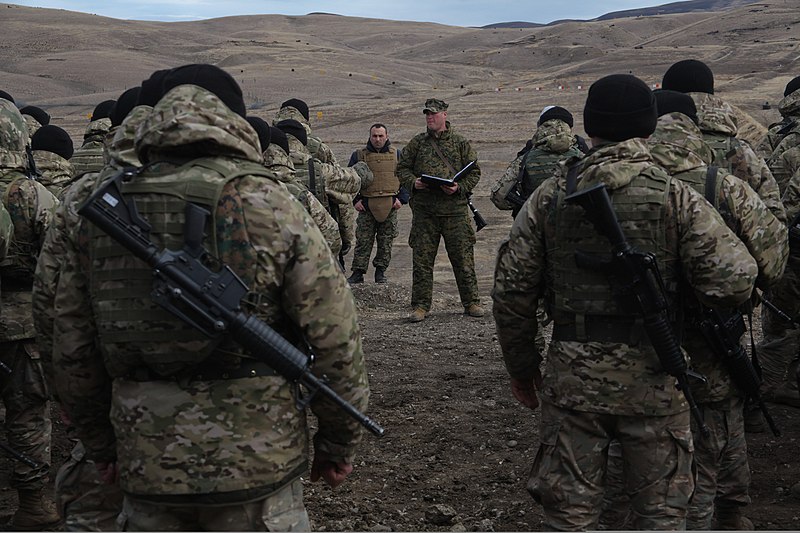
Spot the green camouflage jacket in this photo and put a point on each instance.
(281, 166)
(600, 377)
(222, 440)
(89, 157)
(30, 209)
(677, 145)
(419, 157)
(717, 120)
(55, 170)
(784, 161)
(119, 150)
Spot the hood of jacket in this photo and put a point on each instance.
(13, 138)
(121, 149)
(715, 115)
(290, 112)
(553, 136)
(97, 130)
(615, 164)
(190, 115)
(677, 144)
(790, 105)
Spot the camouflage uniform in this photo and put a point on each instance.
(188, 446)
(594, 391)
(85, 502)
(784, 160)
(281, 166)
(55, 170)
(24, 392)
(32, 124)
(89, 157)
(436, 214)
(368, 228)
(723, 474)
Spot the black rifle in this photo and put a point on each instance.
(480, 222)
(722, 332)
(515, 196)
(11, 452)
(638, 274)
(33, 172)
(203, 298)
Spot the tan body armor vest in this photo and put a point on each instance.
(586, 299)
(133, 330)
(383, 166)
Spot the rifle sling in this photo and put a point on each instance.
(711, 184)
(446, 161)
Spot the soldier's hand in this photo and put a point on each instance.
(359, 205)
(524, 390)
(108, 472)
(452, 189)
(333, 473)
(419, 184)
(397, 204)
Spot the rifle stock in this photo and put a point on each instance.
(207, 300)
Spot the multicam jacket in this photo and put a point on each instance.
(55, 170)
(201, 440)
(89, 157)
(784, 161)
(30, 209)
(677, 145)
(718, 124)
(419, 157)
(610, 377)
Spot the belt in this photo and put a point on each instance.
(601, 329)
(209, 370)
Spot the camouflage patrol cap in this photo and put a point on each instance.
(432, 105)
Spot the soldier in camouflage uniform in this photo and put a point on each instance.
(24, 392)
(278, 162)
(89, 157)
(52, 148)
(151, 397)
(723, 475)
(440, 211)
(85, 502)
(777, 131)
(602, 379)
(377, 205)
(552, 143)
(35, 118)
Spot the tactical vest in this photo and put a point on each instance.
(539, 165)
(134, 332)
(307, 172)
(19, 262)
(585, 301)
(724, 148)
(383, 166)
(776, 163)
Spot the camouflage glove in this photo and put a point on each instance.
(364, 172)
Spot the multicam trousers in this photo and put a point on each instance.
(27, 419)
(367, 231)
(459, 241)
(283, 510)
(567, 477)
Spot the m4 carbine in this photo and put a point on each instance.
(205, 299)
(640, 279)
(480, 222)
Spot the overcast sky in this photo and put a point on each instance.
(453, 12)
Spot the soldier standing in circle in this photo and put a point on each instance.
(603, 379)
(25, 391)
(377, 205)
(89, 157)
(440, 211)
(203, 436)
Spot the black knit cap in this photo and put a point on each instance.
(212, 79)
(556, 112)
(278, 137)
(297, 104)
(674, 102)
(792, 86)
(40, 115)
(52, 139)
(619, 107)
(5, 96)
(102, 109)
(295, 129)
(152, 89)
(689, 76)
(262, 129)
(125, 103)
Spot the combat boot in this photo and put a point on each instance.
(36, 512)
(417, 315)
(731, 517)
(356, 277)
(474, 310)
(380, 276)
